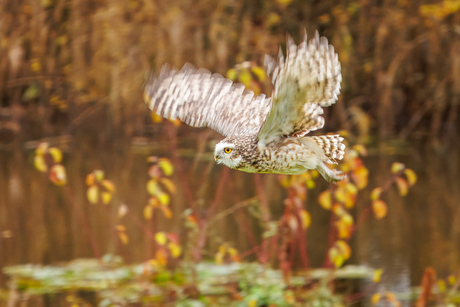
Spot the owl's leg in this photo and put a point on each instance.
(331, 175)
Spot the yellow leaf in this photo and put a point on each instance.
(160, 237)
(285, 180)
(56, 154)
(121, 227)
(219, 258)
(377, 275)
(223, 249)
(163, 198)
(361, 149)
(153, 201)
(375, 298)
(153, 188)
(305, 218)
(284, 2)
(252, 303)
(90, 179)
(123, 237)
(380, 208)
(148, 210)
(40, 164)
(42, 148)
(259, 72)
(166, 166)
(231, 74)
(396, 167)
(311, 184)
(35, 65)
(325, 199)
(314, 174)
(175, 249)
(351, 188)
(344, 249)
(155, 117)
(441, 285)
(99, 175)
(106, 197)
(93, 194)
(338, 209)
(58, 175)
(360, 176)
(168, 184)
(232, 251)
(162, 257)
(402, 186)
(166, 211)
(451, 279)
(108, 185)
(335, 257)
(343, 229)
(411, 176)
(375, 194)
(245, 77)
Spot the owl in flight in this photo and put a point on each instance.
(263, 135)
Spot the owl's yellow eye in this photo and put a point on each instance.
(227, 150)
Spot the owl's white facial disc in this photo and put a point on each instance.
(226, 154)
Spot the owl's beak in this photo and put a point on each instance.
(216, 157)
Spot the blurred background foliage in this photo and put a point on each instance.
(71, 74)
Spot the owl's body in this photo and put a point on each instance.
(263, 135)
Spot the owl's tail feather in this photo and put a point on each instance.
(332, 146)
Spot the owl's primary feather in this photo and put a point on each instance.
(263, 134)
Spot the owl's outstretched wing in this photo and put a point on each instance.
(201, 99)
(306, 81)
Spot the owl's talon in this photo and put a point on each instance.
(331, 175)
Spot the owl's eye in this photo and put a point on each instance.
(227, 150)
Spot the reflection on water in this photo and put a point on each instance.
(40, 225)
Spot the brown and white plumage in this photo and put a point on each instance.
(264, 135)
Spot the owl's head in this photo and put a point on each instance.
(227, 153)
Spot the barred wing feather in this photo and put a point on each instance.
(306, 81)
(201, 99)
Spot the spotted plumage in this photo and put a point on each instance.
(263, 135)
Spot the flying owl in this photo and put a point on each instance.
(263, 135)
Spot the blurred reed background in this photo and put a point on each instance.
(71, 74)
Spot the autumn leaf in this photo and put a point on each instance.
(166, 211)
(411, 176)
(99, 175)
(163, 198)
(325, 199)
(90, 179)
(396, 167)
(161, 238)
(305, 219)
(148, 212)
(58, 175)
(402, 186)
(40, 164)
(153, 188)
(360, 176)
(219, 258)
(377, 275)
(375, 194)
(106, 197)
(175, 249)
(92, 194)
(380, 208)
(361, 149)
(56, 154)
(375, 298)
(108, 185)
(162, 257)
(231, 74)
(166, 166)
(169, 185)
